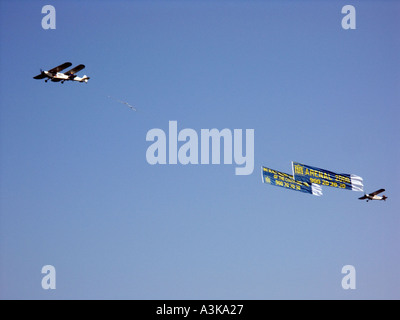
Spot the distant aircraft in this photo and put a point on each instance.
(55, 75)
(124, 102)
(374, 196)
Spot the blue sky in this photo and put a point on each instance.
(76, 189)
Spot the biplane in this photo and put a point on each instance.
(56, 76)
(373, 196)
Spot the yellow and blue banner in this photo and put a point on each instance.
(284, 180)
(309, 174)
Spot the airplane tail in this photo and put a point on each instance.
(384, 197)
(85, 78)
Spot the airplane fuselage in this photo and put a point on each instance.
(375, 197)
(59, 76)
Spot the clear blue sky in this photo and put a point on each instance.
(76, 189)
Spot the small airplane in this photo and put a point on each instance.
(124, 102)
(55, 75)
(374, 196)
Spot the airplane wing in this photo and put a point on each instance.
(75, 70)
(363, 197)
(61, 67)
(376, 192)
(40, 76)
